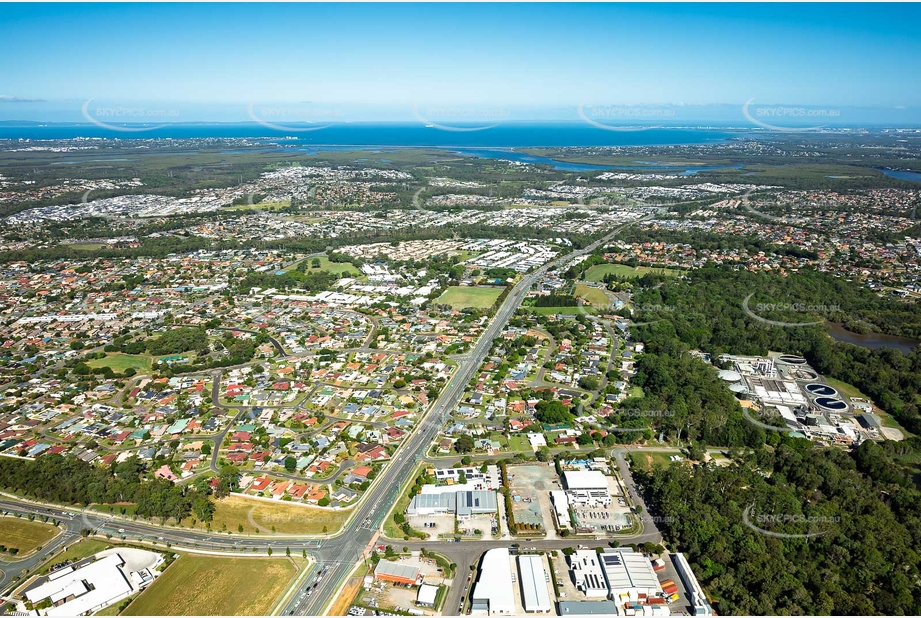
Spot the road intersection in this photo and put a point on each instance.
(337, 555)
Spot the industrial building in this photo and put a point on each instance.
(427, 595)
(396, 573)
(587, 608)
(451, 500)
(584, 480)
(561, 508)
(533, 578)
(629, 575)
(695, 594)
(588, 574)
(586, 488)
(493, 594)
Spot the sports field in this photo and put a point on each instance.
(120, 362)
(24, 535)
(215, 586)
(460, 297)
(598, 272)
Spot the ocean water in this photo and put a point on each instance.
(392, 134)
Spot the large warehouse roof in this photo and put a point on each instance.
(493, 590)
(392, 569)
(626, 569)
(585, 479)
(534, 584)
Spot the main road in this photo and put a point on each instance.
(338, 555)
(341, 555)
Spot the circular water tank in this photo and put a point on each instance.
(823, 390)
(835, 405)
(730, 376)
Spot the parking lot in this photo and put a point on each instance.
(433, 525)
(483, 523)
(604, 519)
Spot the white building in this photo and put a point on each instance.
(493, 594)
(561, 507)
(427, 595)
(695, 594)
(587, 488)
(534, 594)
(588, 574)
(629, 574)
(584, 479)
(74, 592)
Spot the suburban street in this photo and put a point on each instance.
(338, 555)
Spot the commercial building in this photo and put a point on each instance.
(493, 594)
(587, 488)
(587, 608)
(629, 575)
(454, 501)
(73, 592)
(397, 573)
(695, 594)
(584, 479)
(588, 574)
(534, 595)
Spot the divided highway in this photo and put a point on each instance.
(336, 556)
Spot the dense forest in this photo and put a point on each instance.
(705, 311)
(864, 518)
(685, 399)
(68, 480)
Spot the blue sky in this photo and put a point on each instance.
(216, 58)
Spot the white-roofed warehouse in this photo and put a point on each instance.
(584, 479)
(493, 594)
(534, 594)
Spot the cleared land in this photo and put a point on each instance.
(337, 268)
(593, 296)
(24, 535)
(120, 362)
(650, 460)
(210, 585)
(460, 297)
(259, 516)
(599, 271)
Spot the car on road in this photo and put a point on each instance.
(121, 530)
